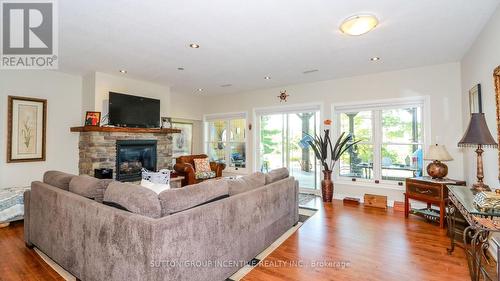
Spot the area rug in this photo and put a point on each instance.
(304, 214)
(305, 198)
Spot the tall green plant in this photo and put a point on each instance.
(322, 145)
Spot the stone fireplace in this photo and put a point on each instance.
(125, 150)
(132, 156)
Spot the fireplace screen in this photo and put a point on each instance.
(132, 156)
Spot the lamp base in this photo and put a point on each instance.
(480, 186)
(437, 169)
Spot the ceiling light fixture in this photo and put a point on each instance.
(267, 77)
(375, 58)
(358, 24)
(123, 71)
(194, 46)
(200, 90)
(180, 68)
(226, 85)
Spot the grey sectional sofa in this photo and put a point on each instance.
(162, 237)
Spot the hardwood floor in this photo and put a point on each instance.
(18, 262)
(375, 244)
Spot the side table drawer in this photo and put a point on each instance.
(425, 191)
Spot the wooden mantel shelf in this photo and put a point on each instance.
(124, 130)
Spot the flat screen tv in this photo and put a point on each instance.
(133, 111)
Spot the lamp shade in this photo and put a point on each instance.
(477, 133)
(438, 152)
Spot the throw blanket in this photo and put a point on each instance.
(11, 203)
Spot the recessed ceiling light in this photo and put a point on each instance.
(375, 58)
(226, 85)
(194, 46)
(180, 68)
(200, 90)
(123, 71)
(310, 71)
(267, 77)
(358, 24)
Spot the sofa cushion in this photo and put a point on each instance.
(101, 189)
(276, 175)
(133, 198)
(85, 186)
(202, 165)
(179, 199)
(204, 175)
(156, 187)
(89, 187)
(58, 179)
(246, 183)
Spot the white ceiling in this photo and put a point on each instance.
(242, 41)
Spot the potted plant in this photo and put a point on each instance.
(322, 147)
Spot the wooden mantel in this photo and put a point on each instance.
(124, 130)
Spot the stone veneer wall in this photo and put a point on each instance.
(98, 149)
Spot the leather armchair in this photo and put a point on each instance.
(184, 166)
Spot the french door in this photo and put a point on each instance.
(278, 140)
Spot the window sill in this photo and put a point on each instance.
(371, 184)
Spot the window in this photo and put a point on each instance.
(392, 139)
(226, 140)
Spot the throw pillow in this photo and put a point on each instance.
(202, 165)
(204, 175)
(156, 187)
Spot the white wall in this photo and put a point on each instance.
(477, 67)
(440, 82)
(64, 103)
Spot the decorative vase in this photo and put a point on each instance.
(327, 186)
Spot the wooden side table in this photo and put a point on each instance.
(430, 191)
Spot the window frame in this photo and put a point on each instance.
(227, 118)
(377, 106)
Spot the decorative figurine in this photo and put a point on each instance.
(283, 96)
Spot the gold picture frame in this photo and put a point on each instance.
(496, 77)
(26, 129)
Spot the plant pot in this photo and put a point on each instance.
(327, 186)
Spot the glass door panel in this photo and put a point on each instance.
(271, 142)
(279, 145)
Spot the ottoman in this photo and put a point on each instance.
(11, 204)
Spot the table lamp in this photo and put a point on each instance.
(437, 153)
(479, 135)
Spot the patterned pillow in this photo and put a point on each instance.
(204, 175)
(202, 165)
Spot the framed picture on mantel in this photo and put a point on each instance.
(27, 123)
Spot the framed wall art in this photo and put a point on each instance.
(26, 132)
(183, 142)
(475, 99)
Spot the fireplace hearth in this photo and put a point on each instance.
(132, 156)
